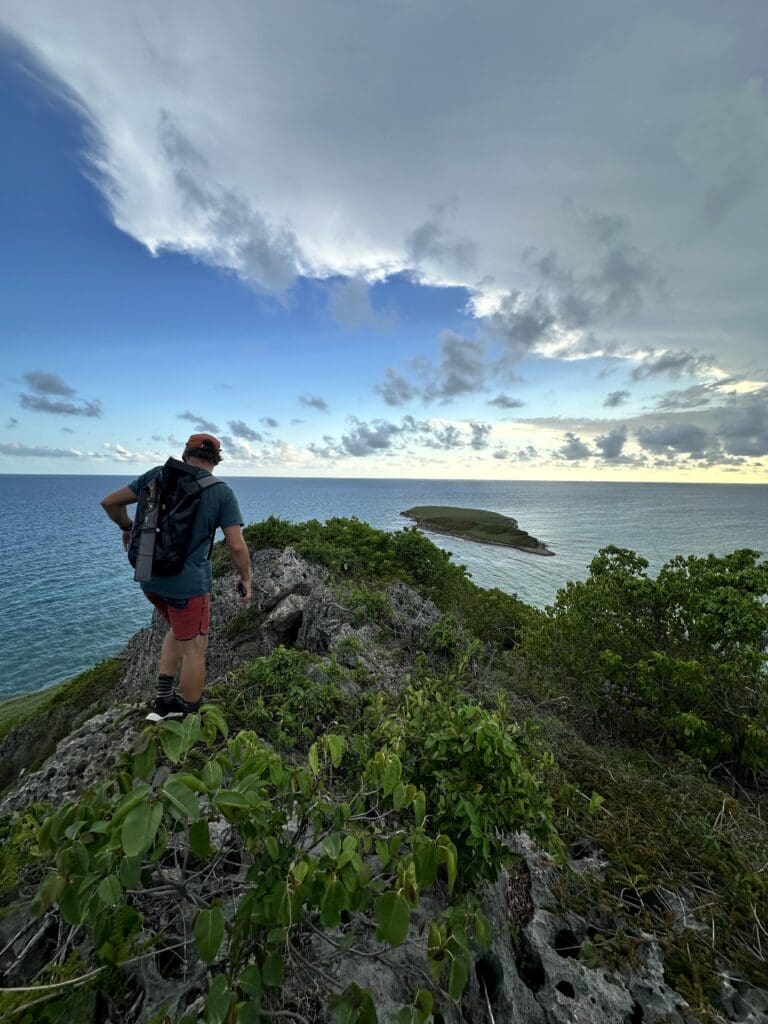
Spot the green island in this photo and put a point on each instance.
(406, 799)
(476, 524)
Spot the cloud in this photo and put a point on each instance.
(674, 438)
(199, 422)
(39, 403)
(396, 389)
(742, 426)
(614, 398)
(39, 451)
(119, 453)
(67, 430)
(527, 454)
(48, 384)
(369, 439)
(349, 303)
(611, 445)
(11, 423)
(671, 364)
(210, 156)
(504, 401)
(314, 402)
(480, 434)
(241, 429)
(573, 448)
(269, 422)
(462, 368)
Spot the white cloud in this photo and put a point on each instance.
(341, 139)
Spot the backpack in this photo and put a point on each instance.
(162, 531)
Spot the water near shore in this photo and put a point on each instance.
(69, 599)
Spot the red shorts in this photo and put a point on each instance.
(188, 617)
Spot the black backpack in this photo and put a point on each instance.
(165, 519)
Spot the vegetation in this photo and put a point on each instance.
(475, 524)
(628, 720)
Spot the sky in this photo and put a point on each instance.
(495, 241)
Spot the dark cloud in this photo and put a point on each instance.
(614, 398)
(480, 433)
(674, 438)
(396, 389)
(236, 235)
(445, 437)
(743, 425)
(370, 438)
(39, 403)
(672, 364)
(433, 241)
(573, 448)
(527, 454)
(157, 437)
(519, 322)
(297, 419)
(696, 396)
(48, 384)
(462, 368)
(268, 421)
(201, 424)
(241, 429)
(504, 401)
(67, 430)
(611, 445)
(39, 451)
(12, 423)
(314, 402)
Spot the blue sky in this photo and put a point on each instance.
(399, 274)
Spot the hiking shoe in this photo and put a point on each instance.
(163, 709)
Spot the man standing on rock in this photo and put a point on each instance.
(183, 599)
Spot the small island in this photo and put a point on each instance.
(476, 524)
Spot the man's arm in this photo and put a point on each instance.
(241, 559)
(115, 505)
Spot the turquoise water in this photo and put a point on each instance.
(69, 597)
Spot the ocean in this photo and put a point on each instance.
(69, 599)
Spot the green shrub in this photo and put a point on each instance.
(679, 659)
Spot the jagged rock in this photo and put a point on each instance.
(324, 622)
(282, 624)
(278, 574)
(80, 761)
(412, 615)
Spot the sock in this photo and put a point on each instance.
(190, 707)
(164, 687)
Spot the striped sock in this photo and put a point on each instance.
(164, 687)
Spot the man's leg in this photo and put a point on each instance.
(170, 655)
(193, 667)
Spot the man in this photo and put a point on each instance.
(184, 600)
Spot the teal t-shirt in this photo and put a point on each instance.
(218, 509)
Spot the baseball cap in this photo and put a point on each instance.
(204, 441)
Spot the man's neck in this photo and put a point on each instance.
(200, 464)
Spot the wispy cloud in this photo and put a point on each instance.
(64, 402)
(241, 429)
(314, 402)
(39, 451)
(199, 422)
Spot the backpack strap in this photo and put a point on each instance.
(207, 481)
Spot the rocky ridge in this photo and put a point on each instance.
(532, 973)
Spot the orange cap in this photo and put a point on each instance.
(204, 441)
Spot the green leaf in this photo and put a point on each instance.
(230, 798)
(333, 901)
(130, 872)
(382, 849)
(49, 892)
(314, 761)
(272, 847)
(420, 807)
(249, 1013)
(399, 797)
(392, 914)
(595, 802)
(218, 1001)
(200, 839)
(145, 762)
(272, 971)
(70, 906)
(249, 981)
(392, 773)
(447, 856)
(109, 891)
(181, 797)
(209, 933)
(424, 1004)
(425, 861)
(73, 859)
(191, 781)
(336, 748)
(172, 740)
(211, 774)
(140, 828)
(458, 977)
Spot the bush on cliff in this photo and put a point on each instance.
(679, 660)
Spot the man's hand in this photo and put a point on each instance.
(243, 588)
(114, 505)
(126, 539)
